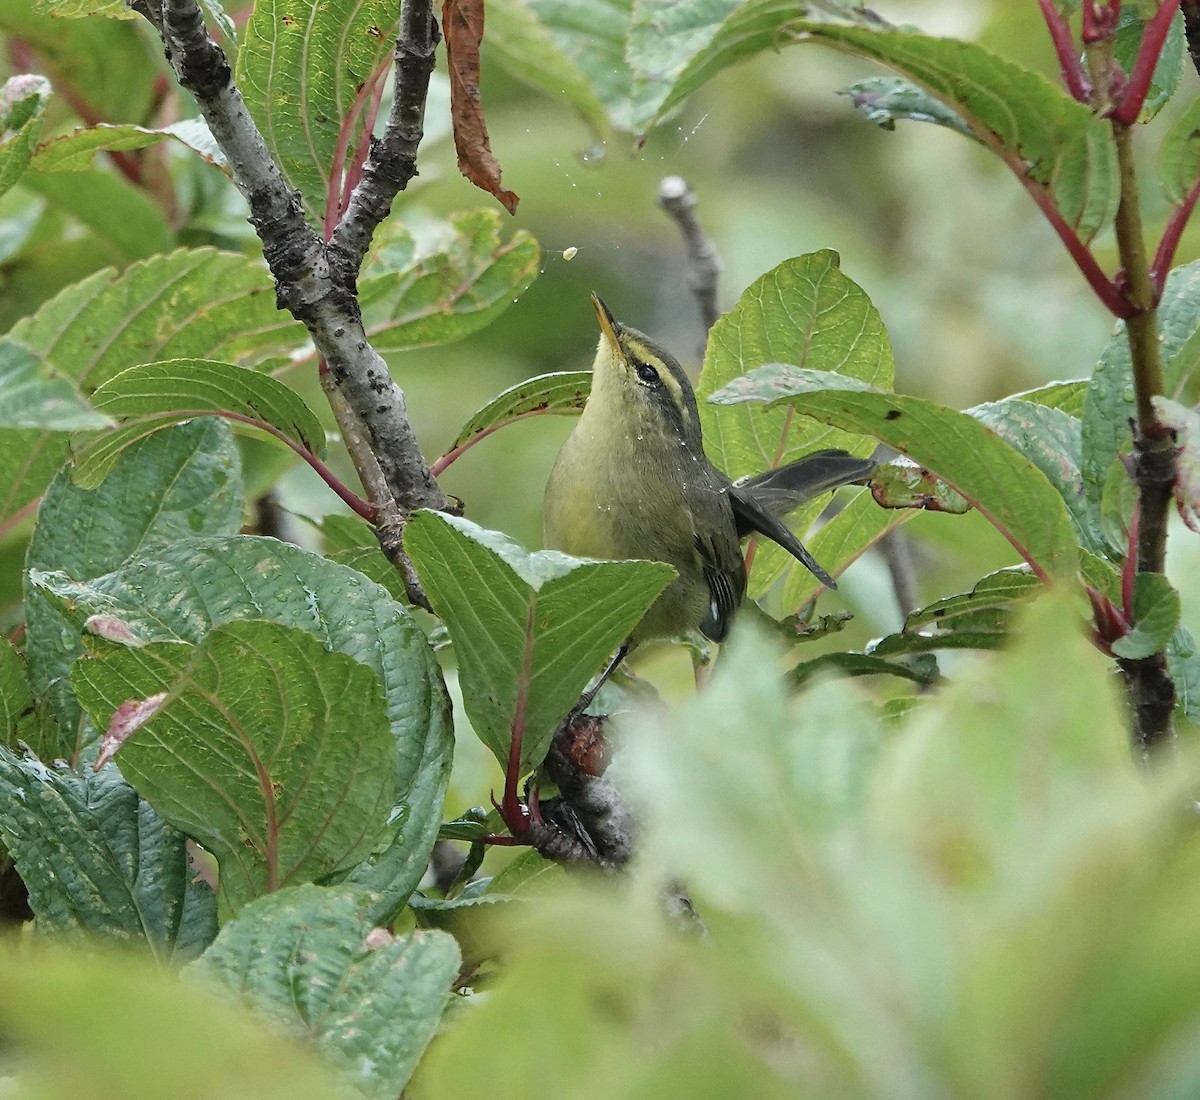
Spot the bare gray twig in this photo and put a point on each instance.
(703, 264)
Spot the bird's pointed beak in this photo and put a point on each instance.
(608, 323)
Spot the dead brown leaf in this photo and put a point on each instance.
(462, 24)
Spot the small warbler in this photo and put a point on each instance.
(632, 481)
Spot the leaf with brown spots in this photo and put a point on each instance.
(462, 23)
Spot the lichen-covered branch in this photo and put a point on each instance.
(316, 284)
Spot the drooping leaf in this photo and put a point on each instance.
(156, 395)
(307, 72)
(183, 482)
(22, 103)
(564, 393)
(97, 860)
(310, 961)
(413, 299)
(271, 751)
(37, 396)
(530, 630)
(462, 23)
(183, 590)
(192, 303)
(1014, 496)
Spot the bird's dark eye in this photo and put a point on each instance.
(646, 373)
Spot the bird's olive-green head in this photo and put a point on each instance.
(642, 384)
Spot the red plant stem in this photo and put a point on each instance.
(1068, 55)
(354, 173)
(516, 816)
(1129, 106)
(1165, 252)
(339, 185)
(364, 508)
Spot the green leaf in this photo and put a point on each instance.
(75, 1018)
(259, 743)
(307, 72)
(76, 151)
(1013, 495)
(1039, 131)
(1068, 396)
(1156, 611)
(979, 619)
(885, 99)
(156, 395)
(1052, 440)
(181, 483)
(1169, 70)
(412, 297)
(805, 312)
(194, 303)
(180, 591)
(99, 861)
(860, 524)
(22, 104)
(593, 39)
(530, 630)
(922, 670)
(309, 961)
(16, 699)
(125, 221)
(564, 393)
(36, 396)
(1179, 157)
(528, 50)
(351, 542)
(1109, 405)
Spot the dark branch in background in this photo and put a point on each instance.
(1191, 30)
(310, 282)
(703, 266)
